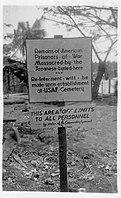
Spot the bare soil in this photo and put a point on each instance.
(33, 163)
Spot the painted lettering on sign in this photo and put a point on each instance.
(59, 69)
(70, 115)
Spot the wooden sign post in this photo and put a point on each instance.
(63, 159)
(60, 70)
(63, 156)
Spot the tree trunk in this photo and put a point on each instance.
(101, 71)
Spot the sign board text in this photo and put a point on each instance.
(50, 117)
(59, 69)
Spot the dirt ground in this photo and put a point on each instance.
(31, 162)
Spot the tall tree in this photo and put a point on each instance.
(18, 46)
(23, 32)
(98, 22)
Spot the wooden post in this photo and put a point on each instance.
(62, 150)
(62, 155)
(63, 159)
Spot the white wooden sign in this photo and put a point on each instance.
(69, 115)
(59, 69)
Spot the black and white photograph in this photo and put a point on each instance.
(60, 98)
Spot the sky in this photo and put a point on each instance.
(17, 13)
